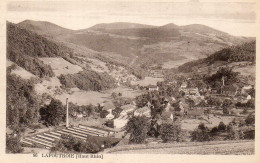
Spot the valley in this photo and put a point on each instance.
(171, 83)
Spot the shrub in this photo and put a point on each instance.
(250, 120)
(68, 143)
(170, 132)
(13, 144)
(222, 126)
(137, 126)
(233, 134)
(214, 130)
(201, 134)
(110, 123)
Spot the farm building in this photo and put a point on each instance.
(152, 88)
(144, 111)
(121, 121)
(184, 85)
(117, 112)
(128, 109)
(167, 115)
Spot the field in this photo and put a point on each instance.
(202, 148)
(147, 81)
(91, 97)
(61, 66)
(20, 71)
(191, 124)
(246, 71)
(174, 64)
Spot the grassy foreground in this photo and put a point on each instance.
(204, 148)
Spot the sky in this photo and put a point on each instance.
(236, 18)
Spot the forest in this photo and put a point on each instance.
(88, 80)
(244, 52)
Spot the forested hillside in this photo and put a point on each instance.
(244, 52)
(88, 80)
(24, 48)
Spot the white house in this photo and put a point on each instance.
(127, 109)
(120, 121)
(144, 111)
(110, 115)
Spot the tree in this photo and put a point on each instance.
(201, 134)
(54, 113)
(138, 127)
(68, 143)
(222, 126)
(224, 72)
(250, 120)
(170, 132)
(13, 144)
(22, 101)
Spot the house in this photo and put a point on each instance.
(110, 116)
(128, 109)
(121, 121)
(183, 107)
(117, 112)
(152, 88)
(245, 89)
(184, 85)
(193, 91)
(167, 115)
(229, 90)
(144, 111)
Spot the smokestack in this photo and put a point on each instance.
(67, 112)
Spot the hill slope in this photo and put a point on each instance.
(240, 53)
(119, 25)
(152, 44)
(43, 27)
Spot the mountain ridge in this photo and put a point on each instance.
(152, 44)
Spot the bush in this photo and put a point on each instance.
(233, 134)
(54, 113)
(214, 130)
(201, 134)
(13, 144)
(250, 120)
(170, 132)
(138, 128)
(110, 123)
(68, 143)
(222, 126)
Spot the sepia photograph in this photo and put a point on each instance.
(90, 78)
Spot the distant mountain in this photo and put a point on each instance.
(201, 29)
(43, 27)
(169, 26)
(152, 44)
(119, 25)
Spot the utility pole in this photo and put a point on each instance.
(67, 113)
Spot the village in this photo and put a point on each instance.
(163, 102)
